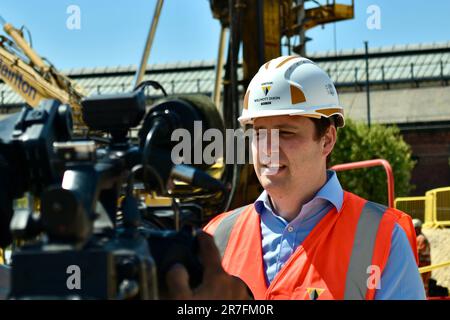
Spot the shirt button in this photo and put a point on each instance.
(290, 228)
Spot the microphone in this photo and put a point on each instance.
(160, 164)
(196, 177)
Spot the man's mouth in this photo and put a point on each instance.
(272, 169)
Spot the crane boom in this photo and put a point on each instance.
(32, 77)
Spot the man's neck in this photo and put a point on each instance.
(289, 205)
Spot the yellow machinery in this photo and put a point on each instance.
(262, 27)
(32, 77)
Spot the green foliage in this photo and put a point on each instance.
(356, 142)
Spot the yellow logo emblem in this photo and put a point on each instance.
(266, 89)
(314, 293)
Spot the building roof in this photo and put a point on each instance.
(387, 65)
(395, 63)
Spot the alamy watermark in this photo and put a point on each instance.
(374, 279)
(73, 281)
(373, 21)
(73, 21)
(212, 146)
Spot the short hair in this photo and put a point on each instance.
(321, 126)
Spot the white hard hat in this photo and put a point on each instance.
(291, 85)
(417, 223)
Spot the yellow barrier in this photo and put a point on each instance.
(433, 208)
(414, 206)
(418, 208)
(440, 206)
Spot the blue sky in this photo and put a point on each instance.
(113, 32)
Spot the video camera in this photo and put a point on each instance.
(84, 232)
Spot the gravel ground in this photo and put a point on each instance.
(440, 252)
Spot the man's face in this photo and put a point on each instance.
(301, 157)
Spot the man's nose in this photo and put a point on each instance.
(268, 143)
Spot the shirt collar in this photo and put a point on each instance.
(263, 202)
(330, 191)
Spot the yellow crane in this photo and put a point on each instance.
(33, 77)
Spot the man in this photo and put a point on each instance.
(304, 237)
(423, 250)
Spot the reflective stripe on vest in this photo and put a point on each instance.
(223, 231)
(362, 251)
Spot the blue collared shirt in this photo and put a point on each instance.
(280, 238)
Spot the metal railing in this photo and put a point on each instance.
(200, 86)
(378, 75)
(373, 163)
(172, 87)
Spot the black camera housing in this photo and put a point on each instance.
(111, 113)
(82, 223)
(26, 154)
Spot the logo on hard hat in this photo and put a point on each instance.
(266, 87)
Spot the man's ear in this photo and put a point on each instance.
(329, 140)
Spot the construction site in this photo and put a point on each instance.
(51, 135)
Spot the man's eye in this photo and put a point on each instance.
(286, 133)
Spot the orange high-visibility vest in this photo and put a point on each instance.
(343, 257)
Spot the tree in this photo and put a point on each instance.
(356, 142)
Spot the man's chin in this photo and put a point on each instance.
(273, 184)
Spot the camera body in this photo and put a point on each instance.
(115, 268)
(91, 237)
(26, 155)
